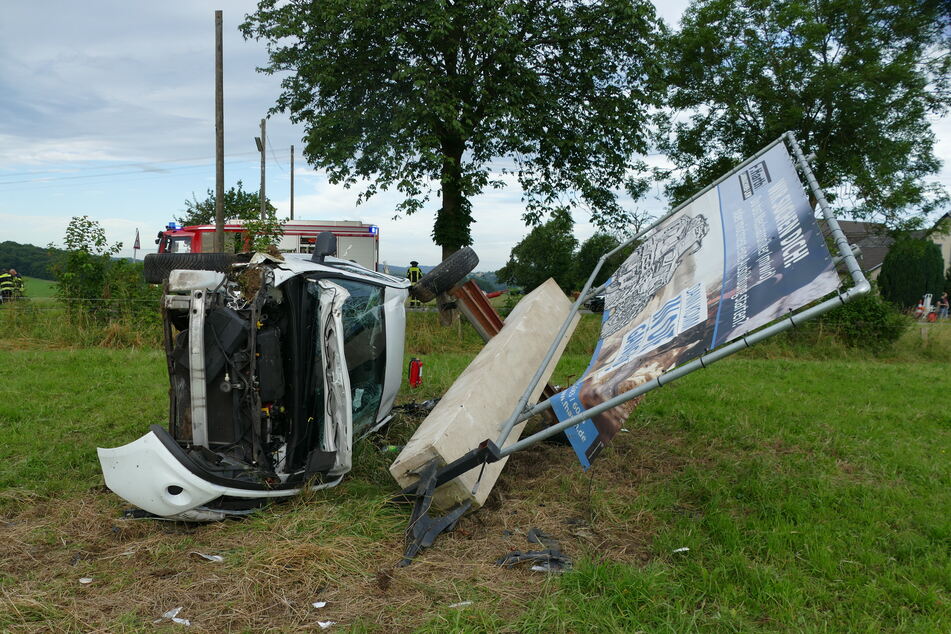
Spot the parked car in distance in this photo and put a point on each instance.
(596, 304)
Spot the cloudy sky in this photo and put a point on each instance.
(107, 110)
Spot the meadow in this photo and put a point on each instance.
(796, 486)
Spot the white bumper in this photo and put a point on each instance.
(146, 474)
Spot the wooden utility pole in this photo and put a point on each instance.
(292, 182)
(219, 139)
(263, 146)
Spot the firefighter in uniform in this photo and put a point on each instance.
(7, 285)
(17, 284)
(413, 273)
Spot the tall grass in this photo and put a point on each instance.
(51, 325)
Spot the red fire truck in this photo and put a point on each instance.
(356, 241)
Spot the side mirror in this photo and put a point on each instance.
(324, 245)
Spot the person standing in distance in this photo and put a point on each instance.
(413, 273)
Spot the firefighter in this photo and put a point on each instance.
(413, 273)
(17, 284)
(7, 285)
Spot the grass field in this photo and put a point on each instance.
(812, 487)
(37, 289)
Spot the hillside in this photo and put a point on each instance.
(487, 280)
(27, 259)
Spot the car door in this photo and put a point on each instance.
(337, 432)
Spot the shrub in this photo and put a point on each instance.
(98, 288)
(867, 321)
(912, 268)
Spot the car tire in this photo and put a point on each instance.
(445, 275)
(159, 265)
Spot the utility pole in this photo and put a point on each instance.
(261, 142)
(292, 182)
(219, 139)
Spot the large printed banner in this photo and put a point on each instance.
(741, 255)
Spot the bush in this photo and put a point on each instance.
(867, 321)
(912, 268)
(97, 289)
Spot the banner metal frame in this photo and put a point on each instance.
(860, 286)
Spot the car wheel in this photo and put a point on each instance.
(159, 265)
(445, 275)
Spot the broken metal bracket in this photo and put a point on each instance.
(424, 529)
(486, 452)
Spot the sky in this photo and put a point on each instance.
(107, 110)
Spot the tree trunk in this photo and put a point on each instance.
(451, 230)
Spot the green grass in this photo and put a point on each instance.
(37, 289)
(56, 406)
(812, 486)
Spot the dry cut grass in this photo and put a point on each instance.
(339, 546)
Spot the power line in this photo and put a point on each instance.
(155, 166)
(87, 177)
(274, 155)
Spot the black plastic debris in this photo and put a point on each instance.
(551, 559)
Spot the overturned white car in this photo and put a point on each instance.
(276, 365)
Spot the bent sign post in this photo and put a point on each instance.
(704, 282)
(741, 255)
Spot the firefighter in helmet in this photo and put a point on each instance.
(413, 273)
(17, 284)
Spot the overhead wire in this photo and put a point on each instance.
(203, 157)
(139, 172)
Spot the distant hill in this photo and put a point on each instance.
(28, 259)
(487, 281)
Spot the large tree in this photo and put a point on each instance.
(547, 251)
(402, 94)
(856, 80)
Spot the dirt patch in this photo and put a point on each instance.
(337, 547)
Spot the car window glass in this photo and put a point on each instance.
(365, 349)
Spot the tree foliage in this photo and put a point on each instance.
(401, 94)
(856, 80)
(547, 251)
(27, 259)
(238, 205)
(912, 268)
(93, 284)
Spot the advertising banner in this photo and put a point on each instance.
(743, 254)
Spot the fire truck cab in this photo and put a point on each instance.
(356, 241)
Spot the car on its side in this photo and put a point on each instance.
(276, 365)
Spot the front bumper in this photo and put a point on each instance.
(149, 475)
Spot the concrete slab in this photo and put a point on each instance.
(485, 394)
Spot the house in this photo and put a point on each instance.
(875, 242)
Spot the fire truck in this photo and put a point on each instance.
(356, 240)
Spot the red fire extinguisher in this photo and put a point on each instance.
(415, 372)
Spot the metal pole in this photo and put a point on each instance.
(263, 147)
(841, 242)
(687, 368)
(219, 139)
(292, 182)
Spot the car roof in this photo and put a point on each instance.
(294, 264)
